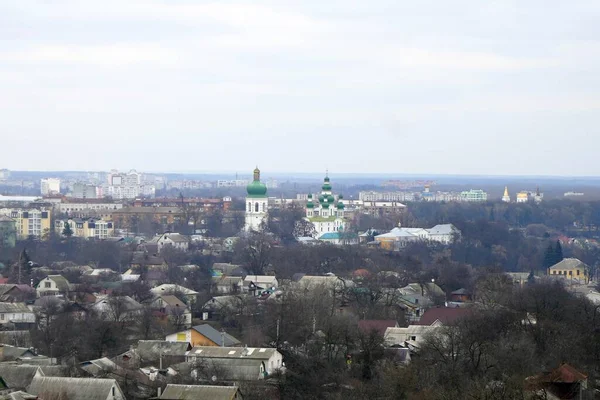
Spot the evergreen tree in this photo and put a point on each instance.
(67, 232)
(558, 253)
(531, 278)
(549, 257)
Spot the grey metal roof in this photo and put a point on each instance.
(216, 336)
(232, 352)
(222, 368)
(151, 349)
(61, 282)
(11, 353)
(98, 366)
(74, 388)
(569, 263)
(19, 376)
(192, 392)
(14, 308)
(442, 229)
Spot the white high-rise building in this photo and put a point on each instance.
(128, 186)
(49, 186)
(257, 203)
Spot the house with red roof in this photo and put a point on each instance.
(439, 316)
(564, 382)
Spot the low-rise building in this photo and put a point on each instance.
(235, 363)
(86, 227)
(193, 392)
(53, 285)
(256, 284)
(16, 313)
(204, 335)
(571, 269)
(177, 290)
(174, 240)
(174, 309)
(399, 237)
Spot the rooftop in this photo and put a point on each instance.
(192, 392)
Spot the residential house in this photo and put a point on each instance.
(75, 388)
(193, 392)
(412, 335)
(219, 305)
(16, 293)
(204, 335)
(228, 269)
(234, 363)
(315, 282)
(147, 260)
(117, 308)
(256, 284)
(173, 308)
(175, 240)
(53, 285)
(416, 298)
(16, 313)
(461, 296)
(19, 376)
(178, 290)
(439, 316)
(12, 353)
(564, 382)
(571, 269)
(339, 238)
(152, 353)
(367, 326)
(227, 284)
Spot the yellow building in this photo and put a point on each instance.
(86, 227)
(571, 269)
(29, 221)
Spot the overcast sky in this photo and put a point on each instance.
(428, 86)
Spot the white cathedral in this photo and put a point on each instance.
(326, 215)
(257, 203)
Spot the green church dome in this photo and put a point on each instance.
(326, 186)
(310, 205)
(256, 188)
(340, 206)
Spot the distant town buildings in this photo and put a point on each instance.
(83, 190)
(473, 195)
(573, 194)
(524, 196)
(128, 186)
(49, 186)
(506, 196)
(233, 183)
(4, 174)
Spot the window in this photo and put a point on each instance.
(570, 273)
(413, 338)
(577, 272)
(249, 206)
(47, 285)
(2, 317)
(256, 207)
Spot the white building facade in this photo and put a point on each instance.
(326, 214)
(49, 186)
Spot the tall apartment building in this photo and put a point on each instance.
(233, 183)
(128, 186)
(29, 222)
(4, 174)
(84, 191)
(49, 186)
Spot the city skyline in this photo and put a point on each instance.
(418, 88)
